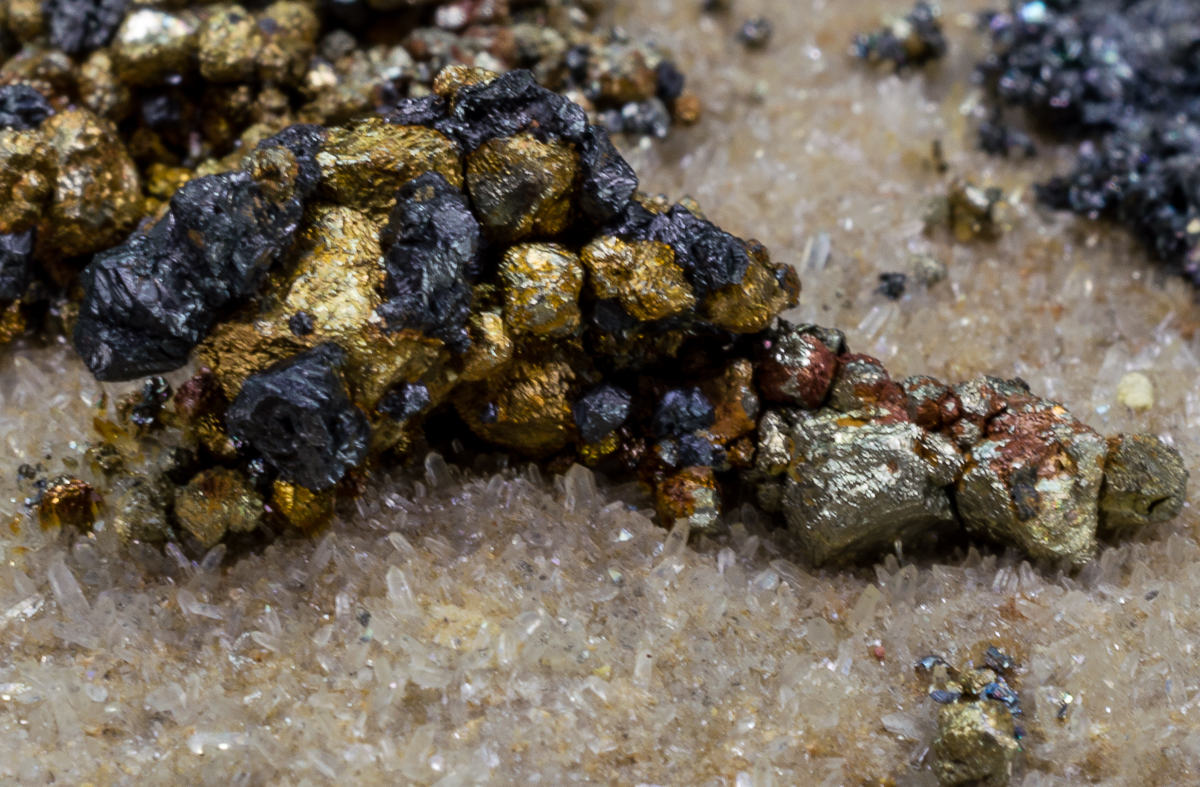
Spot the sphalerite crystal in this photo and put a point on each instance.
(911, 40)
(1122, 76)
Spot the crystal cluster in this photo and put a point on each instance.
(978, 736)
(1121, 75)
(858, 462)
(108, 108)
(485, 252)
(909, 41)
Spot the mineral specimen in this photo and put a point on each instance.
(911, 40)
(68, 502)
(977, 738)
(434, 242)
(1144, 482)
(1099, 70)
(78, 26)
(148, 302)
(880, 463)
(975, 744)
(216, 502)
(473, 255)
(142, 512)
(298, 415)
(22, 107)
(600, 411)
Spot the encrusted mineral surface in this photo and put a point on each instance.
(503, 624)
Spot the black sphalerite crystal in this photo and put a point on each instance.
(78, 26)
(425, 111)
(892, 285)
(434, 239)
(669, 81)
(1125, 74)
(698, 451)
(405, 400)
(511, 104)
(148, 302)
(682, 411)
(299, 416)
(301, 324)
(16, 262)
(601, 410)
(609, 182)
(22, 107)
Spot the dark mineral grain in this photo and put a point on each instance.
(669, 81)
(997, 139)
(434, 241)
(145, 407)
(22, 107)
(682, 411)
(148, 302)
(424, 111)
(609, 182)
(298, 416)
(16, 262)
(301, 324)
(80, 26)
(601, 410)
(891, 285)
(405, 401)
(509, 105)
(912, 41)
(711, 257)
(1122, 76)
(756, 33)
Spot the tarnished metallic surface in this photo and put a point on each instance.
(336, 280)
(796, 367)
(142, 512)
(642, 276)
(97, 191)
(974, 744)
(364, 164)
(300, 507)
(491, 346)
(1144, 482)
(1033, 482)
(855, 486)
(522, 186)
(68, 502)
(215, 502)
(750, 305)
(690, 494)
(151, 45)
(228, 45)
(541, 289)
(527, 406)
(26, 178)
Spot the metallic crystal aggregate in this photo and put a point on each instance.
(1120, 77)
(857, 464)
(709, 412)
